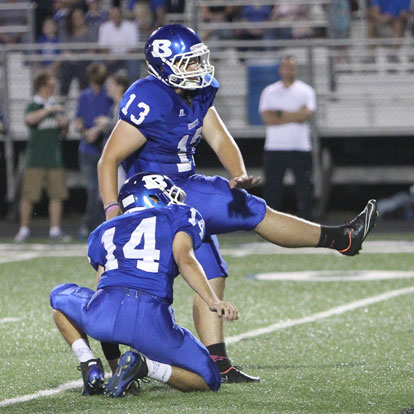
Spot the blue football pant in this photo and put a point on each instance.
(139, 320)
(224, 211)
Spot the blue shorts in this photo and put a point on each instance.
(393, 7)
(139, 320)
(224, 211)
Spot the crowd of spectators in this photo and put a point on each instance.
(114, 26)
(62, 21)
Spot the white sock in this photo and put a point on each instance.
(158, 371)
(82, 351)
(54, 231)
(24, 230)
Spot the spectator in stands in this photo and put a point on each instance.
(49, 41)
(13, 17)
(76, 31)
(296, 15)
(120, 36)
(142, 15)
(339, 18)
(116, 85)
(175, 6)
(93, 102)
(61, 11)
(44, 9)
(286, 107)
(339, 25)
(44, 165)
(218, 14)
(254, 14)
(390, 13)
(158, 9)
(95, 16)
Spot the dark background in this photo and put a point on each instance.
(358, 151)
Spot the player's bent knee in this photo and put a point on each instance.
(63, 289)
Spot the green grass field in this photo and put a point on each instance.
(326, 351)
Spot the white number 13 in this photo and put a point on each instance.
(145, 110)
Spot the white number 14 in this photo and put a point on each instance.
(146, 257)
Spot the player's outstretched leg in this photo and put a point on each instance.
(289, 231)
(93, 377)
(131, 366)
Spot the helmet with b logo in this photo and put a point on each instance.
(146, 190)
(171, 50)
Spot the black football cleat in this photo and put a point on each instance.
(357, 229)
(235, 375)
(131, 367)
(93, 376)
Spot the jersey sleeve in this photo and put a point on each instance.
(189, 220)
(211, 93)
(94, 250)
(141, 107)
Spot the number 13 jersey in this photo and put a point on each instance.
(170, 124)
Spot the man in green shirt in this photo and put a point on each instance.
(44, 166)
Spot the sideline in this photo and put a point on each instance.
(12, 252)
(250, 334)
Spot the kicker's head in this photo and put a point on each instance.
(147, 190)
(176, 56)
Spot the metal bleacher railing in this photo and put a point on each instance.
(355, 98)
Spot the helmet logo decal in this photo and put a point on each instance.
(154, 181)
(128, 201)
(161, 48)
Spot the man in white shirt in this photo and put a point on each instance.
(120, 36)
(286, 108)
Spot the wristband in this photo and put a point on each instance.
(111, 203)
(110, 206)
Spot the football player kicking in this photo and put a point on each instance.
(162, 119)
(138, 255)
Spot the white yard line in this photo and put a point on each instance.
(43, 393)
(5, 320)
(250, 334)
(333, 275)
(321, 315)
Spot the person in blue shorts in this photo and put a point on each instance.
(137, 256)
(162, 118)
(382, 13)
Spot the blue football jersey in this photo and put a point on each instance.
(171, 126)
(135, 249)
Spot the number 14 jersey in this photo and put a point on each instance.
(135, 249)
